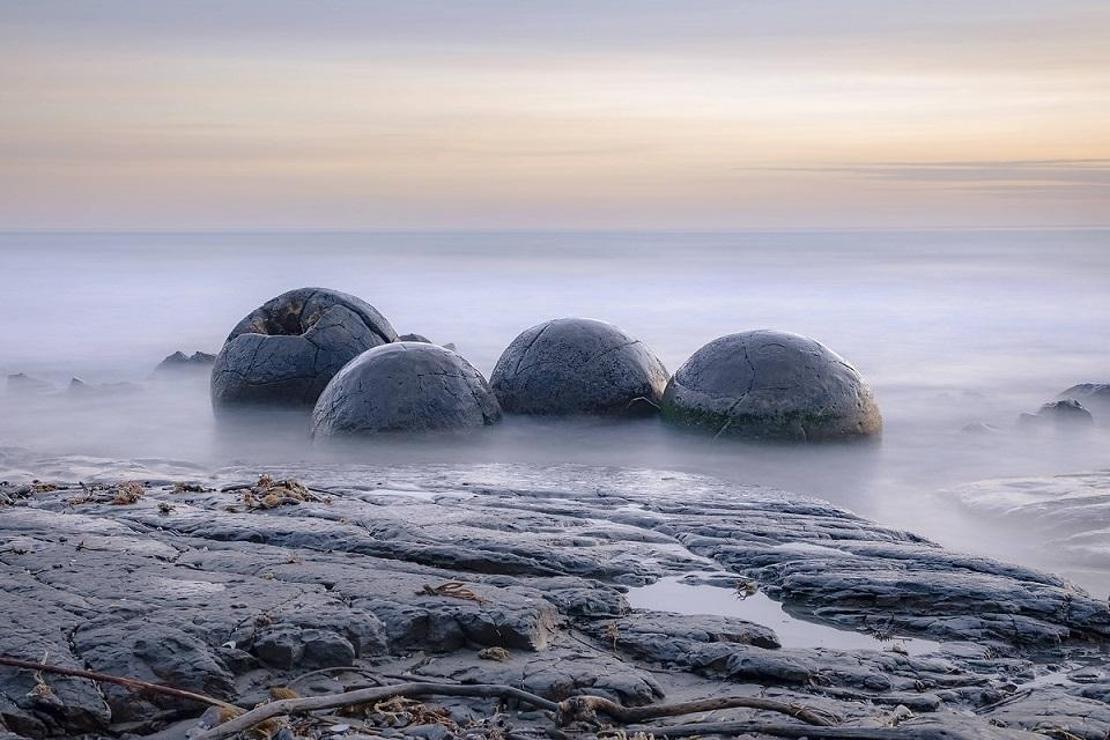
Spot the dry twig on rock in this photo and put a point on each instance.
(376, 693)
(746, 727)
(454, 590)
(130, 683)
(586, 708)
(579, 708)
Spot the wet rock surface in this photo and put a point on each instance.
(205, 584)
(578, 366)
(771, 385)
(405, 387)
(1070, 510)
(286, 351)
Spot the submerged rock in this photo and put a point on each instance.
(980, 427)
(578, 366)
(1066, 414)
(24, 383)
(78, 387)
(405, 387)
(771, 385)
(286, 351)
(181, 361)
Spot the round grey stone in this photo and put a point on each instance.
(285, 351)
(771, 385)
(404, 387)
(578, 366)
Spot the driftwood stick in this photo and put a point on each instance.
(376, 693)
(570, 710)
(585, 706)
(131, 683)
(366, 672)
(745, 727)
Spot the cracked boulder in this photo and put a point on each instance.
(578, 366)
(771, 385)
(405, 387)
(286, 351)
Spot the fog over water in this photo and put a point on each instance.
(950, 328)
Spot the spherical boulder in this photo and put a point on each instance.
(404, 387)
(285, 351)
(771, 385)
(578, 366)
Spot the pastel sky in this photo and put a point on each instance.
(460, 114)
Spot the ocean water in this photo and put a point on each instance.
(950, 327)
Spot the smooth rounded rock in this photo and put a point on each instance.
(404, 387)
(285, 351)
(771, 385)
(578, 366)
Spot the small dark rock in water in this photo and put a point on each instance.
(1064, 414)
(578, 366)
(287, 350)
(414, 338)
(28, 384)
(181, 361)
(771, 385)
(405, 387)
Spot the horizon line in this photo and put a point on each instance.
(546, 230)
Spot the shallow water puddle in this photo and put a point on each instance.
(672, 594)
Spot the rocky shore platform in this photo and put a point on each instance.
(251, 586)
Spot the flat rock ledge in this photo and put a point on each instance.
(519, 576)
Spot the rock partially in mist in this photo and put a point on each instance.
(180, 361)
(24, 383)
(1095, 397)
(405, 387)
(1065, 415)
(771, 385)
(285, 352)
(578, 366)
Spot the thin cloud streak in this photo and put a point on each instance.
(1016, 173)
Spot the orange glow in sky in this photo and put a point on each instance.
(554, 115)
